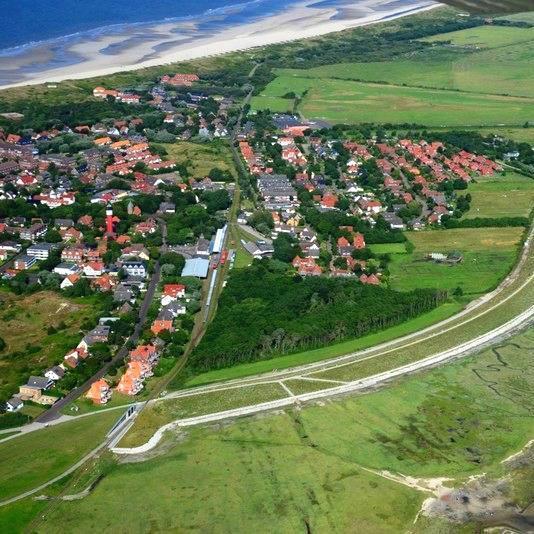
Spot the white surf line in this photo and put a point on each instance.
(455, 353)
(310, 379)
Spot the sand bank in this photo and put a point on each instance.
(166, 43)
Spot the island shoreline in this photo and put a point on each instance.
(272, 30)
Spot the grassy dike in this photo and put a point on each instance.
(309, 468)
(510, 302)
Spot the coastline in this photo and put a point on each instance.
(168, 42)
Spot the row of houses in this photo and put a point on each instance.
(37, 387)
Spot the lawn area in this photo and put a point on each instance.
(485, 36)
(242, 257)
(201, 158)
(346, 101)
(511, 195)
(241, 478)
(306, 467)
(24, 321)
(388, 248)
(489, 254)
(34, 458)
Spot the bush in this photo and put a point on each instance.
(13, 419)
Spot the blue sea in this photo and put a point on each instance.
(26, 22)
(51, 37)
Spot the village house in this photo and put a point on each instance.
(146, 227)
(24, 262)
(55, 373)
(14, 404)
(306, 266)
(66, 269)
(34, 388)
(137, 250)
(370, 279)
(34, 232)
(131, 382)
(145, 354)
(135, 269)
(180, 80)
(171, 292)
(99, 392)
(69, 281)
(162, 325)
(93, 269)
(41, 251)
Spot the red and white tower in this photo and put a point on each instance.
(109, 221)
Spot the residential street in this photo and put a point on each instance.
(55, 411)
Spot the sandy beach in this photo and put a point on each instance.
(166, 43)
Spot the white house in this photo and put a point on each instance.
(135, 268)
(66, 269)
(14, 404)
(93, 269)
(69, 281)
(55, 373)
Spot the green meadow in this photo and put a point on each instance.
(480, 73)
(489, 254)
(37, 457)
(317, 469)
(485, 36)
(345, 101)
(511, 195)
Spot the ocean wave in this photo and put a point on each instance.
(223, 11)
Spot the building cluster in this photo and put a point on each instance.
(399, 182)
(40, 389)
(96, 170)
(119, 96)
(171, 306)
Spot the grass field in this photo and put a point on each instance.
(24, 321)
(502, 196)
(489, 62)
(388, 248)
(489, 254)
(242, 257)
(201, 158)
(305, 470)
(33, 459)
(348, 101)
(486, 36)
(163, 412)
(521, 134)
